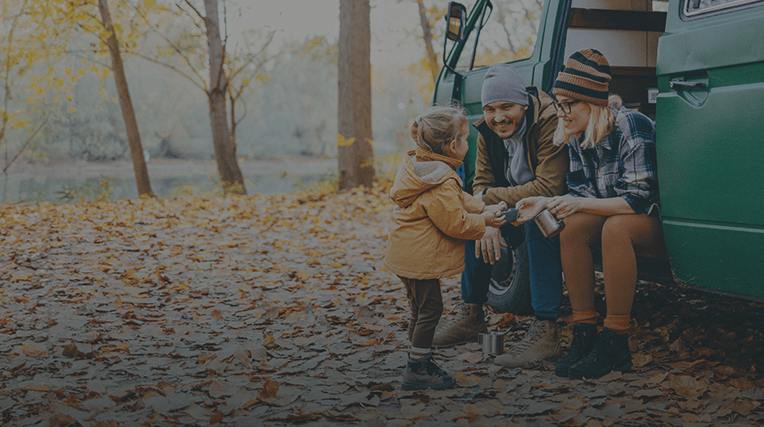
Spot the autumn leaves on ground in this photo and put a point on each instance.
(273, 309)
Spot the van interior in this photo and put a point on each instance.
(627, 32)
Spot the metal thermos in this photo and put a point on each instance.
(548, 224)
(492, 343)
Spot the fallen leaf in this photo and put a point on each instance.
(216, 418)
(688, 386)
(270, 390)
(33, 350)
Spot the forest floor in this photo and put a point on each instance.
(274, 309)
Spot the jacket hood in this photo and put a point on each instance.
(421, 171)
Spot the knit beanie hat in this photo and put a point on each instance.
(502, 83)
(586, 77)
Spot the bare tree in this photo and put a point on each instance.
(240, 74)
(228, 78)
(125, 102)
(424, 21)
(225, 147)
(355, 153)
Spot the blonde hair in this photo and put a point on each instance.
(601, 121)
(437, 127)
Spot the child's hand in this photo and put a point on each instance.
(494, 209)
(491, 220)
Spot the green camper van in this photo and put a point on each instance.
(695, 66)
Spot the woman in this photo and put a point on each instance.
(612, 196)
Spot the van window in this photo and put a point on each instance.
(697, 7)
(509, 34)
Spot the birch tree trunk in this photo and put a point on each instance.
(354, 150)
(225, 147)
(126, 104)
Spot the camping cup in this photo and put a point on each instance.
(492, 343)
(548, 224)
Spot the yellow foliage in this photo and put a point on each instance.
(19, 123)
(344, 142)
(262, 77)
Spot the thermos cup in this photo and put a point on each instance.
(548, 224)
(492, 343)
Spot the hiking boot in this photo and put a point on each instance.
(584, 336)
(463, 326)
(423, 374)
(539, 343)
(610, 353)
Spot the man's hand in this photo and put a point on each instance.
(489, 247)
(529, 207)
(564, 206)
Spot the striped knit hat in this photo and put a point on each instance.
(586, 77)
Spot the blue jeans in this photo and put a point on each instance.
(545, 271)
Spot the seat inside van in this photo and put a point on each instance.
(626, 32)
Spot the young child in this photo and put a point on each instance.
(432, 218)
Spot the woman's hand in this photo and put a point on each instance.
(565, 206)
(491, 220)
(529, 207)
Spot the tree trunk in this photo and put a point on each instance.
(234, 123)
(354, 150)
(225, 147)
(432, 59)
(126, 104)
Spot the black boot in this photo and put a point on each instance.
(424, 373)
(584, 336)
(611, 353)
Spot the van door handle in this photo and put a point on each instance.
(684, 85)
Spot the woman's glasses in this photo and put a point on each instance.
(565, 107)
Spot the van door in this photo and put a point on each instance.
(503, 31)
(710, 143)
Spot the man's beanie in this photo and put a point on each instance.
(586, 77)
(502, 83)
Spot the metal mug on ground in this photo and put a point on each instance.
(492, 343)
(548, 224)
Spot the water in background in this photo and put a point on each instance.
(169, 178)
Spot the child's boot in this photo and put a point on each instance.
(423, 373)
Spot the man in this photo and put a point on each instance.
(516, 158)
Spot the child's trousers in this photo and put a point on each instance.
(426, 305)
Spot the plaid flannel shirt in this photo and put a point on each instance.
(622, 165)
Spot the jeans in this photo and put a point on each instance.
(544, 266)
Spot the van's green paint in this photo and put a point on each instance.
(710, 139)
(710, 155)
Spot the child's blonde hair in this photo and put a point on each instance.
(437, 127)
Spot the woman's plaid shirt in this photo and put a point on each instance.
(622, 165)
